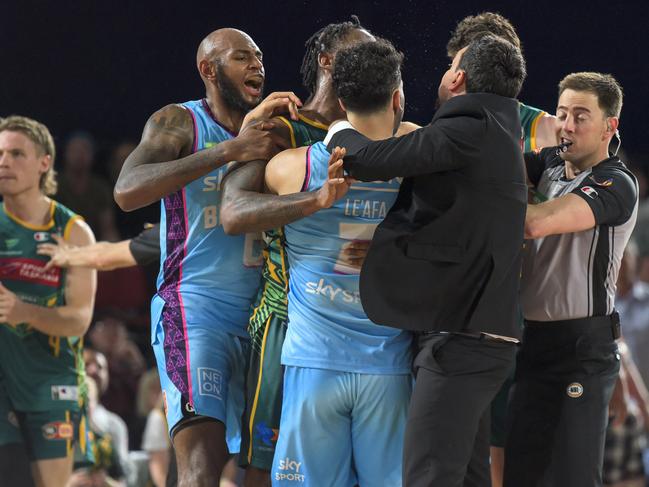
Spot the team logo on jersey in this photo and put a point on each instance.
(575, 390)
(603, 184)
(188, 410)
(10, 243)
(266, 434)
(589, 191)
(289, 470)
(58, 430)
(41, 236)
(210, 382)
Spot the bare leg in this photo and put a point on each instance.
(497, 465)
(201, 453)
(256, 477)
(52, 473)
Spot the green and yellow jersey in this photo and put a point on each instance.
(530, 117)
(40, 372)
(271, 299)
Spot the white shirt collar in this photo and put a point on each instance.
(335, 128)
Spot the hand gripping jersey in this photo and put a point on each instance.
(206, 277)
(328, 328)
(271, 299)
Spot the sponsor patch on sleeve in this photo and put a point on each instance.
(589, 191)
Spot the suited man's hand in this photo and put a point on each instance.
(337, 183)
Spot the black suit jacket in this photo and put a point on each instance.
(448, 255)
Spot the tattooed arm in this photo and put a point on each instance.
(163, 163)
(244, 208)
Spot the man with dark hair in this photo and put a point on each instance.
(586, 206)
(207, 279)
(347, 381)
(244, 208)
(539, 130)
(446, 260)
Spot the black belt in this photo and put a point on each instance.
(475, 335)
(605, 324)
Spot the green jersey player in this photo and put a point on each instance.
(43, 312)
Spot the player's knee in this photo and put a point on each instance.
(14, 465)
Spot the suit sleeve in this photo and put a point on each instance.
(145, 248)
(446, 144)
(611, 194)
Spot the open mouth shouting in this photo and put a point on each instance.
(254, 86)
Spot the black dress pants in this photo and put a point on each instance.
(558, 411)
(447, 434)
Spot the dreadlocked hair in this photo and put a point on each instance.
(324, 40)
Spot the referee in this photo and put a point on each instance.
(587, 202)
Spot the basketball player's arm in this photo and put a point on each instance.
(547, 131)
(162, 163)
(244, 206)
(71, 319)
(103, 256)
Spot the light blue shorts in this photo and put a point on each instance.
(202, 372)
(339, 429)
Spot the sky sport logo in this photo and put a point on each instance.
(289, 471)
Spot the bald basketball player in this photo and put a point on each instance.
(207, 279)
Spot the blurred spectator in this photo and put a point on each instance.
(626, 435)
(632, 302)
(106, 471)
(125, 364)
(155, 440)
(129, 223)
(105, 421)
(84, 192)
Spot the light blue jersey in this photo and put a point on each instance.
(328, 328)
(206, 284)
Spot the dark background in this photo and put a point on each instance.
(105, 66)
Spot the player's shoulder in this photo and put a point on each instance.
(76, 231)
(174, 116)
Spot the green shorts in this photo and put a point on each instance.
(264, 379)
(42, 393)
(45, 434)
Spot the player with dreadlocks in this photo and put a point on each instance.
(244, 208)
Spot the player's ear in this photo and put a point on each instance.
(342, 105)
(397, 100)
(325, 61)
(45, 163)
(207, 69)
